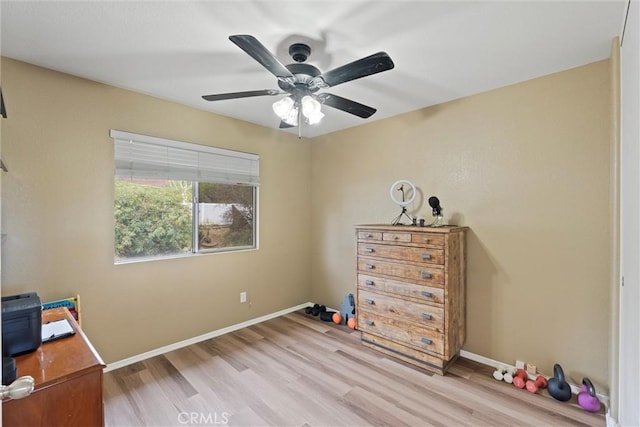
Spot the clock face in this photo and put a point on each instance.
(402, 192)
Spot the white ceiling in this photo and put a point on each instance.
(179, 50)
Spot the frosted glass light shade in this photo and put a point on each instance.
(309, 106)
(315, 117)
(282, 107)
(291, 118)
(287, 110)
(311, 110)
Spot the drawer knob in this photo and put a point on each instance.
(427, 316)
(369, 283)
(395, 237)
(427, 294)
(370, 266)
(426, 275)
(369, 322)
(426, 256)
(426, 240)
(369, 236)
(426, 341)
(370, 301)
(369, 250)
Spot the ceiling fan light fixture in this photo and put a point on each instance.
(311, 109)
(315, 117)
(291, 118)
(283, 106)
(287, 110)
(309, 105)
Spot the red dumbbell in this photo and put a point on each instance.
(519, 378)
(533, 386)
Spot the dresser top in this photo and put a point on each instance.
(60, 359)
(413, 228)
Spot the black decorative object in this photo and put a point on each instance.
(436, 211)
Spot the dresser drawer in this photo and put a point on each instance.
(406, 253)
(422, 293)
(369, 235)
(427, 274)
(416, 313)
(399, 237)
(401, 331)
(428, 239)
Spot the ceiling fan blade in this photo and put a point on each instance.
(346, 105)
(247, 94)
(285, 125)
(372, 64)
(257, 51)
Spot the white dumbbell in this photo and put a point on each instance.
(498, 374)
(508, 375)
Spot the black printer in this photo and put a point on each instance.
(21, 324)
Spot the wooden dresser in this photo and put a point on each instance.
(411, 292)
(68, 382)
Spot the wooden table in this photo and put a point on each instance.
(68, 382)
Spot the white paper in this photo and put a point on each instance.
(56, 329)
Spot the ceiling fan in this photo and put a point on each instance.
(301, 82)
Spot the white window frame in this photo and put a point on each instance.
(143, 156)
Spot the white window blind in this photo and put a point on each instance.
(142, 156)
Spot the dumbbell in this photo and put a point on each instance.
(498, 374)
(519, 378)
(504, 373)
(508, 376)
(317, 309)
(533, 386)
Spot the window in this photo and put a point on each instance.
(175, 198)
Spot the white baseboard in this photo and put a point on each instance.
(200, 338)
(496, 364)
(610, 421)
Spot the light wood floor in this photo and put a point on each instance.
(299, 371)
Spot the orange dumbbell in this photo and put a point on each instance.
(534, 386)
(520, 378)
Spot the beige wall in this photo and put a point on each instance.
(527, 167)
(57, 206)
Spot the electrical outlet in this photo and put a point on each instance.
(519, 364)
(243, 297)
(531, 369)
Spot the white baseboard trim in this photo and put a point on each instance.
(496, 364)
(200, 338)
